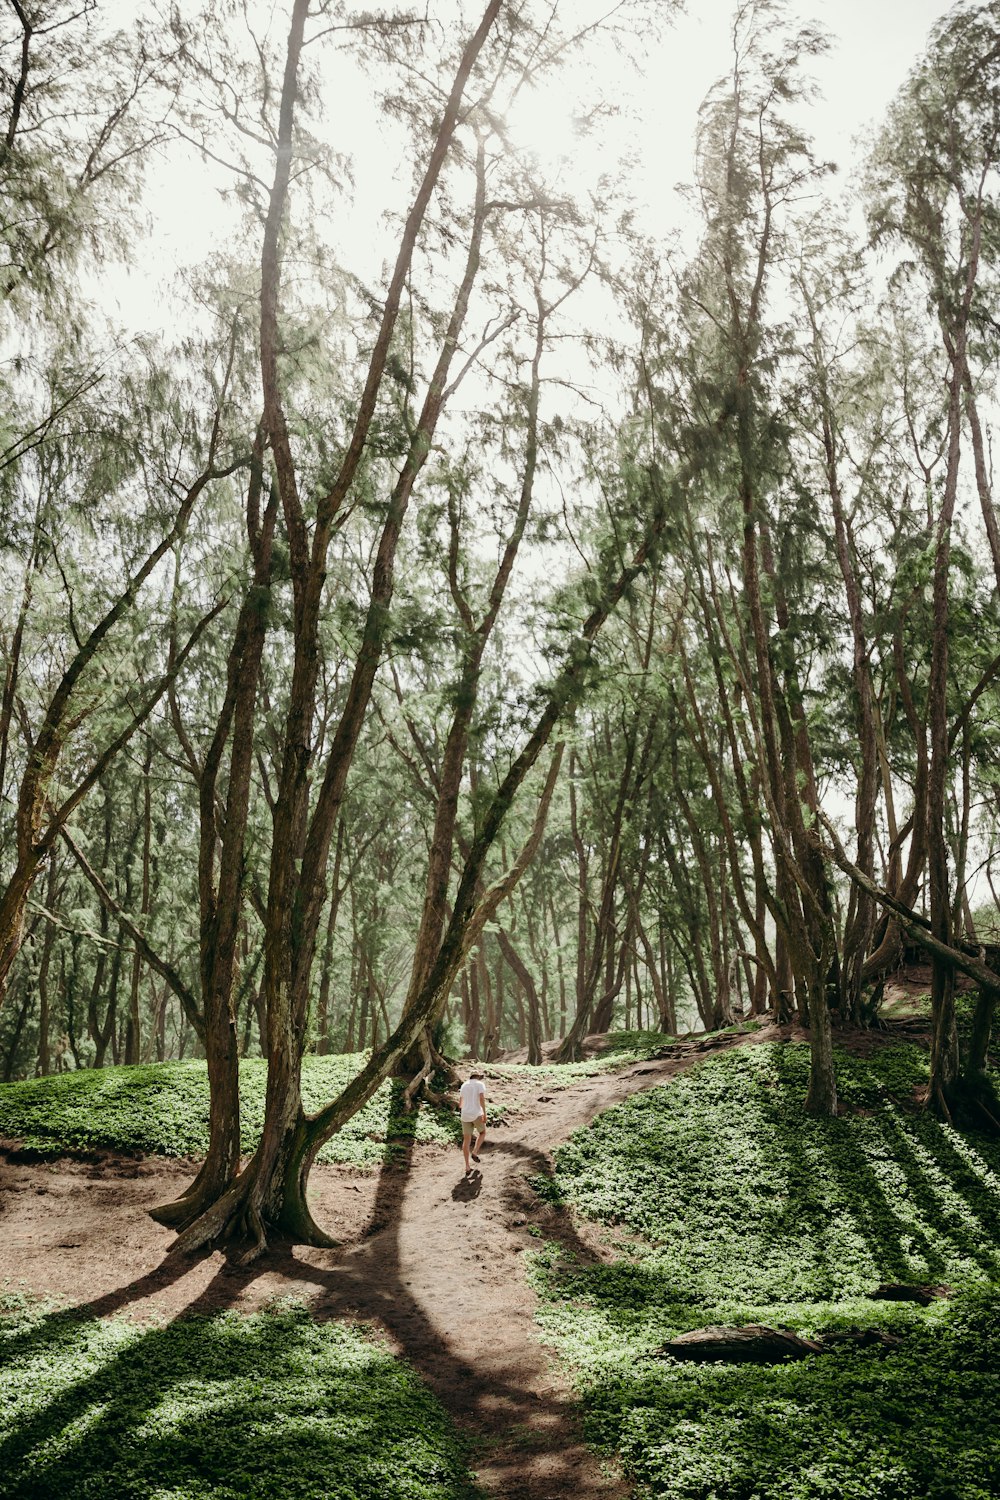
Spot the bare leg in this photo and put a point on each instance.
(466, 1140)
(478, 1143)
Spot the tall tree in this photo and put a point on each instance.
(753, 164)
(934, 187)
(271, 1189)
(71, 700)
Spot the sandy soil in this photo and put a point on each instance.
(428, 1255)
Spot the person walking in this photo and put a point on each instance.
(472, 1096)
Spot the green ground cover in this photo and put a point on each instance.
(726, 1203)
(273, 1405)
(162, 1109)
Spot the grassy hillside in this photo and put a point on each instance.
(725, 1203)
(274, 1404)
(720, 1201)
(162, 1108)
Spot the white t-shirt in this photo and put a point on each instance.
(473, 1097)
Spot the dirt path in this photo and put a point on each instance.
(430, 1256)
(445, 1279)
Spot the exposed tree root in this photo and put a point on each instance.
(419, 1079)
(239, 1215)
(433, 1062)
(271, 1199)
(432, 1096)
(295, 1218)
(176, 1214)
(194, 1201)
(255, 1225)
(213, 1223)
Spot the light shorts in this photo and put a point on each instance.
(472, 1127)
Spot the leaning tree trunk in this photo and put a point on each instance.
(44, 993)
(272, 1188)
(476, 636)
(530, 990)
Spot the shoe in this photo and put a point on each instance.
(475, 1158)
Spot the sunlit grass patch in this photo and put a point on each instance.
(726, 1203)
(736, 1192)
(914, 1425)
(162, 1109)
(618, 1050)
(274, 1404)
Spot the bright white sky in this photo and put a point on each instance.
(875, 42)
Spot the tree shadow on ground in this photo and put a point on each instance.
(507, 1417)
(920, 1209)
(120, 1409)
(852, 1423)
(840, 1206)
(271, 1404)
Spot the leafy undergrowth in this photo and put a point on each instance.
(162, 1109)
(726, 1203)
(628, 1046)
(273, 1404)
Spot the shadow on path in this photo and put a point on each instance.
(438, 1268)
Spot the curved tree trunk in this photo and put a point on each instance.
(527, 980)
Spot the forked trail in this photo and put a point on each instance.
(430, 1256)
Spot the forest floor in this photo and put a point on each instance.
(429, 1256)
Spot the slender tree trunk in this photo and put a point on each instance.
(474, 971)
(527, 982)
(15, 1040)
(560, 969)
(48, 942)
(983, 485)
(944, 1035)
(133, 1040)
(861, 911)
(326, 971)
